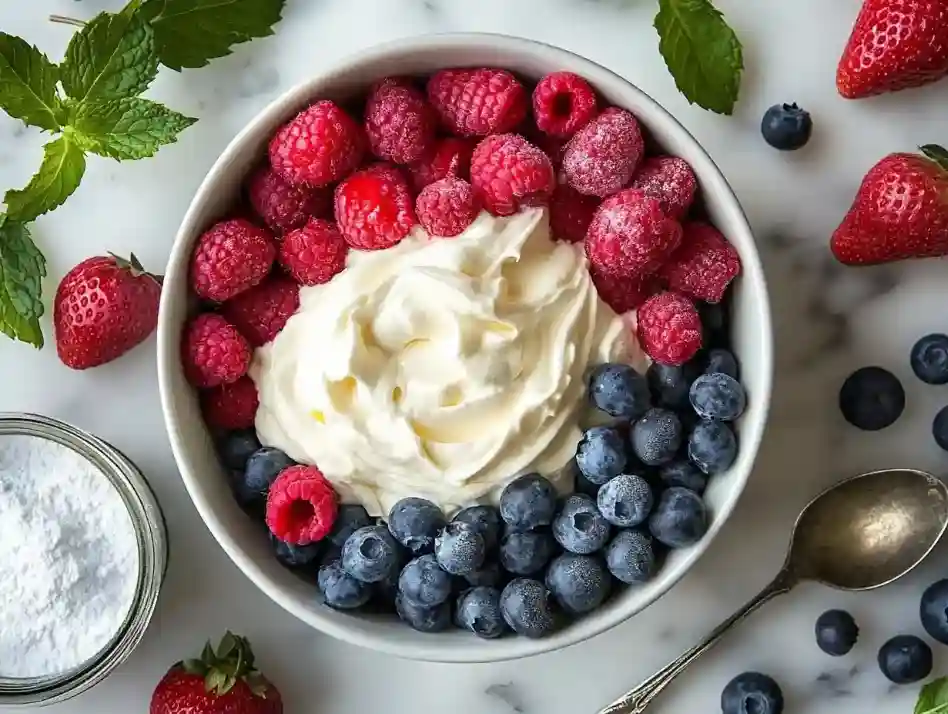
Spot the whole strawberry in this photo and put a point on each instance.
(103, 308)
(221, 682)
(900, 211)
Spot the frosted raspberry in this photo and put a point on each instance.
(509, 173)
(398, 121)
(449, 157)
(631, 235)
(477, 102)
(230, 406)
(571, 213)
(704, 265)
(602, 156)
(374, 208)
(446, 207)
(670, 181)
(281, 206)
(261, 312)
(669, 328)
(230, 257)
(621, 293)
(322, 144)
(301, 505)
(213, 352)
(314, 253)
(563, 103)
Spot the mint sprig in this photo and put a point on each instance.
(933, 698)
(22, 269)
(60, 173)
(129, 128)
(28, 84)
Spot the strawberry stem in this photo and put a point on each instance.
(936, 153)
(63, 20)
(221, 669)
(134, 266)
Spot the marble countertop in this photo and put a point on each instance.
(829, 320)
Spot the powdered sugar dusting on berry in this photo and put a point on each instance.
(602, 156)
(670, 181)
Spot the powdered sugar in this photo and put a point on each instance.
(68, 558)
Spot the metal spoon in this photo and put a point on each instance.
(862, 533)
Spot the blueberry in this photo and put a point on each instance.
(600, 454)
(836, 632)
(580, 583)
(350, 518)
(263, 466)
(423, 619)
(526, 553)
(680, 519)
(579, 526)
(490, 575)
(478, 610)
(236, 447)
(786, 127)
(295, 556)
(656, 437)
(871, 398)
(625, 501)
(933, 611)
(630, 557)
(459, 548)
(670, 383)
(424, 582)
(485, 520)
(940, 428)
(717, 396)
(722, 361)
(905, 659)
(752, 693)
(528, 502)
(619, 390)
(370, 554)
(929, 359)
(714, 323)
(414, 522)
(341, 590)
(712, 447)
(525, 606)
(685, 474)
(581, 484)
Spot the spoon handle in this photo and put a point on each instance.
(635, 701)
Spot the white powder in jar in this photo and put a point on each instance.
(68, 558)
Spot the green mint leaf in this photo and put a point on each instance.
(59, 175)
(22, 269)
(112, 57)
(129, 128)
(933, 697)
(702, 53)
(936, 153)
(28, 83)
(190, 33)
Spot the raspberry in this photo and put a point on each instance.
(213, 352)
(320, 145)
(281, 206)
(704, 265)
(449, 157)
(631, 235)
(602, 156)
(231, 406)
(670, 181)
(399, 123)
(669, 328)
(570, 213)
(477, 102)
(508, 173)
(621, 293)
(563, 103)
(374, 208)
(314, 253)
(260, 313)
(230, 257)
(446, 207)
(301, 505)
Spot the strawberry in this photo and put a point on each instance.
(895, 44)
(222, 682)
(103, 308)
(900, 211)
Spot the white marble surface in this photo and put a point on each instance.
(829, 321)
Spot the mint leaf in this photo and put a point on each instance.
(190, 33)
(129, 128)
(702, 53)
(59, 175)
(28, 83)
(22, 269)
(112, 57)
(933, 697)
(936, 153)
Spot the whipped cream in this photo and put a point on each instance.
(441, 368)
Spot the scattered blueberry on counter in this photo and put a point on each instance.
(933, 611)
(786, 127)
(929, 359)
(940, 428)
(871, 398)
(836, 632)
(905, 659)
(752, 693)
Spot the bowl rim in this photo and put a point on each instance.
(168, 336)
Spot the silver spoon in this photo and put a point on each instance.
(862, 533)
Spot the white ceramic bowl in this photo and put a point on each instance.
(193, 449)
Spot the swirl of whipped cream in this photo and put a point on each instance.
(440, 368)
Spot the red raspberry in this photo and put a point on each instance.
(446, 207)
(602, 156)
(704, 265)
(301, 505)
(260, 313)
(314, 253)
(563, 103)
(399, 123)
(449, 157)
(570, 213)
(320, 145)
(509, 173)
(284, 207)
(374, 208)
(477, 102)
(669, 328)
(230, 257)
(213, 352)
(631, 235)
(231, 406)
(670, 181)
(621, 293)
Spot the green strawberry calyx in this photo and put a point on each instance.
(133, 265)
(232, 662)
(936, 153)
